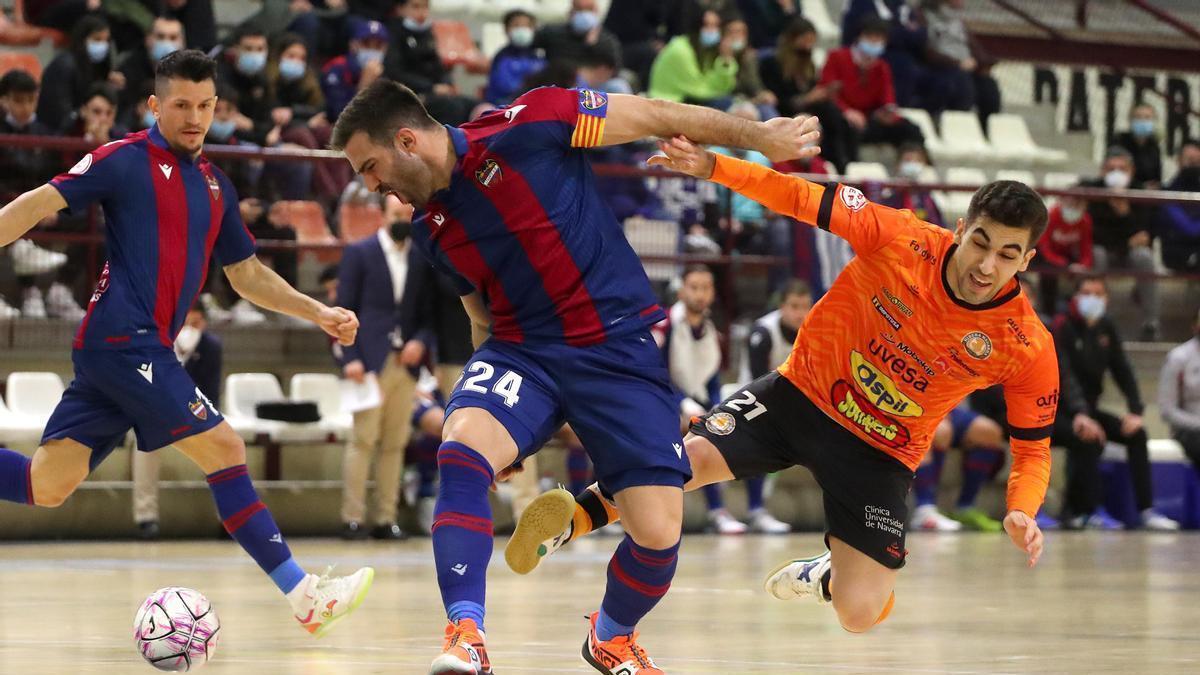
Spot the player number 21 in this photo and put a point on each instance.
(507, 387)
(747, 398)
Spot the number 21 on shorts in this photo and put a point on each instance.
(479, 373)
(746, 398)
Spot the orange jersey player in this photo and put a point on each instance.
(920, 318)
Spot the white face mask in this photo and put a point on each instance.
(911, 170)
(1091, 307)
(1071, 214)
(1117, 179)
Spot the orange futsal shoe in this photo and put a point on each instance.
(463, 652)
(619, 656)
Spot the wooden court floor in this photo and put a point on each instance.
(1098, 603)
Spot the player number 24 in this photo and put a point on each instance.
(746, 399)
(507, 387)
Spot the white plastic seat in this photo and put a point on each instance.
(963, 137)
(243, 391)
(1060, 180)
(34, 393)
(323, 388)
(933, 141)
(862, 171)
(492, 38)
(1010, 139)
(1019, 175)
(817, 12)
(958, 201)
(15, 428)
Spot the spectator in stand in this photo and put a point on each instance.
(345, 76)
(865, 93)
(322, 24)
(1093, 347)
(765, 19)
(199, 21)
(911, 165)
(1065, 247)
(582, 33)
(958, 71)
(244, 69)
(22, 169)
(699, 67)
(374, 10)
(770, 341)
(68, 80)
(1179, 224)
(749, 82)
(140, 117)
(516, 61)
(790, 74)
(231, 127)
(1121, 231)
(96, 119)
(137, 67)
(1179, 394)
(643, 28)
(412, 59)
(1141, 142)
(906, 42)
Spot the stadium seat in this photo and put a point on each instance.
(325, 389)
(962, 137)
(1011, 140)
(359, 221)
(492, 38)
(957, 202)
(455, 46)
(15, 428)
(1059, 180)
(929, 175)
(34, 394)
(1019, 175)
(933, 142)
(817, 12)
(243, 391)
(654, 238)
(864, 171)
(23, 61)
(16, 33)
(308, 220)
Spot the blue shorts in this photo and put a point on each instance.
(145, 389)
(960, 420)
(617, 396)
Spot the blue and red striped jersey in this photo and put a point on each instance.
(165, 215)
(523, 223)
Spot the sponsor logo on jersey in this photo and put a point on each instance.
(199, 410)
(721, 424)
(926, 255)
(511, 113)
(101, 285)
(881, 389)
(878, 426)
(489, 173)
(958, 361)
(898, 365)
(853, 198)
(879, 518)
(591, 100)
(977, 344)
(884, 313)
(1049, 400)
(896, 552)
(1015, 329)
(897, 302)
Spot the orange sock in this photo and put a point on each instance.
(592, 512)
(887, 609)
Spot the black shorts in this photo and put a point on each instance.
(770, 425)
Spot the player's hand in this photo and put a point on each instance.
(1088, 429)
(412, 354)
(1025, 534)
(787, 138)
(354, 371)
(684, 156)
(340, 323)
(1131, 424)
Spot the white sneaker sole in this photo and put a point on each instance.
(447, 665)
(545, 518)
(361, 595)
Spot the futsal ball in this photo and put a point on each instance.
(176, 629)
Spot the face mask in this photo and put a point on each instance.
(162, 49)
(911, 169)
(221, 130)
(710, 37)
(582, 22)
(738, 46)
(416, 26)
(400, 230)
(366, 56)
(1142, 128)
(1071, 214)
(97, 51)
(186, 341)
(148, 119)
(1091, 307)
(252, 63)
(521, 36)
(871, 49)
(1117, 179)
(291, 70)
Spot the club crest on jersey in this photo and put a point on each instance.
(591, 100)
(489, 173)
(853, 198)
(214, 187)
(198, 409)
(721, 424)
(977, 344)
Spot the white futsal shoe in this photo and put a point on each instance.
(798, 579)
(926, 517)
(763, 522)
(321, 601)
(723, 522)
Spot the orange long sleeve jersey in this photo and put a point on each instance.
(889, 350)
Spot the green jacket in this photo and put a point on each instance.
(676, 74)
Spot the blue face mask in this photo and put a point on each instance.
(291, 70)
(162, 49)
(872, 49)
(221, 130)
(582, 22)
(148, 119)
(417, 27)
(97, 51)
(521, 36)
(1142, 128)
(251, 63)
(1091, 307)
(710, 37)
(366, 56)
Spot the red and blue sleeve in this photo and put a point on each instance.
(234, 242)
(94, 178)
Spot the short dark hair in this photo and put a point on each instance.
(795, 287)
(330, 273)
(17, 81)
(514, 14)
(380, 110)
(875, 26)
(1089, 277)
(228, 94)
(247, 30)
(187, 64)
(1012, 204)
(695, 268)
(104, 91)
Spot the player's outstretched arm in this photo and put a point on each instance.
(20, 215)
(481, 318)
(632, 118)
(260, 284)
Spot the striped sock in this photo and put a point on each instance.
(248, 521)
(16, 482)
(462, 531)
(637, 579)
(926, 481)
(979, 465)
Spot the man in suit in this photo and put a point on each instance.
(373, 279)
